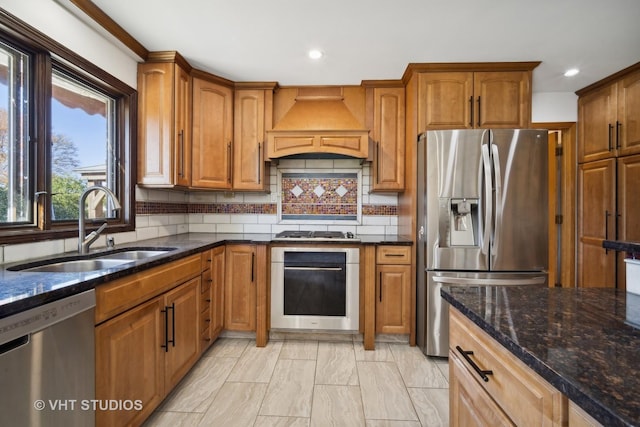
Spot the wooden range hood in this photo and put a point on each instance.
(318, 123)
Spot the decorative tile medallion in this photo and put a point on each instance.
(319, 196)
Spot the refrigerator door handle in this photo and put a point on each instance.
(488, 211)
(538, 280)
(498, 185)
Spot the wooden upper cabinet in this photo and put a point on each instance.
(596, 124)
(629, 114)
(387, 134)
(253, 115)
(468, 99)
(447, 99)
(503, 99)
(212, 134)
(609, 117)
(164, 136)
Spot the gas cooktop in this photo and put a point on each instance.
(315, 235)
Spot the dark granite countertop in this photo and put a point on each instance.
(579, 340)
(616, 245)
(20, 290)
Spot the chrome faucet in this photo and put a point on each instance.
(85, 241)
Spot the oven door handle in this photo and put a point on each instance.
(314, 268)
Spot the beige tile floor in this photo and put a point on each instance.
(309, 383)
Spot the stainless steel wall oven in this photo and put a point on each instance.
(315, 288)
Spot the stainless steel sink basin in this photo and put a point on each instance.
(78, 266)
(92, 262)
(133, 255)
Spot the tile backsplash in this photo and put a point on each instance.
(167, 212)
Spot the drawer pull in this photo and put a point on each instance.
(394, 255)
(465, 354)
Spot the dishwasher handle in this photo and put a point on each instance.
(538, 280)
(14, 344)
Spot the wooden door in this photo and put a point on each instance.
(155, 124)
(181, 306)
(628, 208)
(182, 129)
(211, 135)
(446, 101)
(469, 404)
(217, 291)
(388, 134)
(596, 222)
(393, 299)
(240, 288)
(628, 123)
(596, 124)
(502, 99)
(130, 363)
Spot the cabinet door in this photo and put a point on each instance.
(445, 101)
(628, 208)
(181, 309)
(250, 121)
(628, 124)
(155, 124)
(392, 304)
(217, 291)
(388, 134)
(469, 404)
(182, 130)
(240, 288)
(502, 99)
(596, 222)
(211, 133)
(596, 124)
(130, 363)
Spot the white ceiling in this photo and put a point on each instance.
(259, 40)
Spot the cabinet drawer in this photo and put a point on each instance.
(205, 258)
(523, 395)
(205, 302)
(393, 255)
(122, 294)
(205, 322)
(206, 282)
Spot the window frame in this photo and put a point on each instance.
(47, 54)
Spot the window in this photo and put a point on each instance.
(83, 148)
(16, 205)
(65, 126)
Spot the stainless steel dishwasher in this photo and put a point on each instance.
(47, 364)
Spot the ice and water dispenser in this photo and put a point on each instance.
(459, 221)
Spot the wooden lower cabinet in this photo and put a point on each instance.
(143, 353)
(212, 298)
(470, 405)
(182, 337)
(393, 290)
(240, 288)
(513, 395)
(129, 363)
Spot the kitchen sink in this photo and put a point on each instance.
(77, 266)
(134, 255)
(92, 262)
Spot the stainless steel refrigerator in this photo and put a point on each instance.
(482, 218)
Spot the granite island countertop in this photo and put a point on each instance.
(21, 290)
(579, 340)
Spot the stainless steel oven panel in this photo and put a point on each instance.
(350, 322)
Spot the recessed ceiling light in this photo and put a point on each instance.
(571, 72)
(315, 54)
